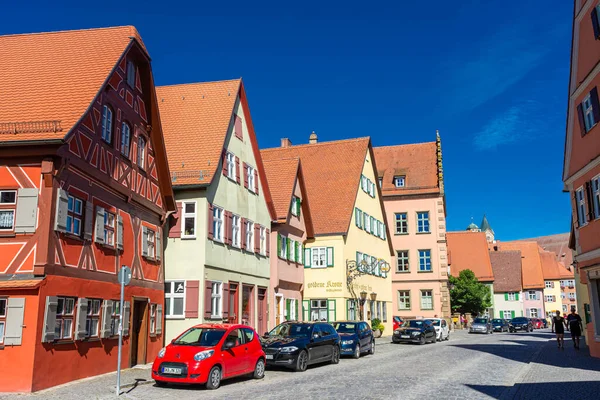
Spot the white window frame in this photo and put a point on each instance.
(116, 312)
(294, 206)
(512, 296)
(3, 319)
(251, 184)
(548, 298)
(588, 112)
(292, 255)
(216, 300)
(380, 182)
(316, 252)
(570, 283)
(402, 219)
(423, 223)
(292, 316)
(110, 228)
(404, 259)
(172, 296)
(218, 224)
(424, 257)
(236, 231)
(508, 313)
(423, 297)
(249, 236)
(150, 239)
(580, 202)
(65, 316)
(10, 210)
(533, 311)
(93, 318)
(263, 240)
(531, 295)
(153, 308)
(74, 215)
(399, 181)
(548, 284)
(231, 170)
(141, 152)
(188, 215)
(596, 195)
(571, 296)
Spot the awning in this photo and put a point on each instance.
(19, 284)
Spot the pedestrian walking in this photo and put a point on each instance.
(558, 326)
(575, 326)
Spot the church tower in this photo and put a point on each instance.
(485, 227)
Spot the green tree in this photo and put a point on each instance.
(467, 294)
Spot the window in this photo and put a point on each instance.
(251, 184)
(588, 112)
(423, 222)
(549, 285)
(352, 316)
(506, 314)
(511, 297)
(152, 318)
(363, 183)
(371, 189)
(318, 310)
(571, 296)
(64, 318)
(236, 231)
(426, 300)
(263, 240)
(125, 139)
(565, 308)
(7, 215)
(114, 324)
(292, 316)
(2, 319)
(533, 312)
(401, 223)
(151, 241)
(404, 300)
(399, 181)
(562, 284)
(549, 299)
(250, 236)
(596, 195)
(231, 170)
(131, 74)
(216, 300)
(189, 219)
(319, 255)
(141, 152)
(174, 298)
(107, 124)
(571, 283)
(218, 225)
(424, 260)
(292, 252)
(295, 206)
(74, 214)
(563, 296)
(92, 318)
(109, 228)
(403, 265)
(367, 224)
(283, 247)
(384, 311)
(531, 295)
(580, 199)
(376, 227)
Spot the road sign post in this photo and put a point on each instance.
(124, 279)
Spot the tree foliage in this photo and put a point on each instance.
(467, 294)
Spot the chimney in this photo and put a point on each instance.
(313, 138)
(285, 142)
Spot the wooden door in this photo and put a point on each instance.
(262, 310)
(139, 333)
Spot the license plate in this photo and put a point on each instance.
(269, 356)
(405, 336)
(169, 370)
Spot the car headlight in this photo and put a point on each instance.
(397, 332)
(416, 333)
(203, 355)
(288, 349)
(162, 352)
(347, 341)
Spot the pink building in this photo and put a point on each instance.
(412, 185)
(289, 231)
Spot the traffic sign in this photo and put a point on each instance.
(125, 275)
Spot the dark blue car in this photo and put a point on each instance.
(356, 338)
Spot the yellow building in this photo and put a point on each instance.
(346, 265)
(552, 291)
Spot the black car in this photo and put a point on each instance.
(499, 325)
(296, 345)
(356, 338)
(415, 331)
(520, 324)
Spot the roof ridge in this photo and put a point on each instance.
(331, 142)
(70, 30)
(283, 159)
(200, 83)
(403, 145)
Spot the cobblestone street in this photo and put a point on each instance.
(498, 366)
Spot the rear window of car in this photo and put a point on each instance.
(480, 320)
(344, 327)
(413, 323)
(520, 320)
(295, 330)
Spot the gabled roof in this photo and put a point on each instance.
(550, 267)
(417, 162)
(469, 250)
(507, 271)
(533, 277)
(48, 80)
(558, 244)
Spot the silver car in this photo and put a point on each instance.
(481, 325)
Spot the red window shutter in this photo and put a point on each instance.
(207, 298)
(268, 235)
(256, 238)
(255, 181)
(230, 228)
(224, 161)
(246, 175)
(210, 220)
(175, 222)
(237, 168)
(192, 297)
(238, 127)
(225, 301)
(243, 232)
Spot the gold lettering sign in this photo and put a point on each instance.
(329, 286)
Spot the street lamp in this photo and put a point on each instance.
(373, 296)
(363, 297)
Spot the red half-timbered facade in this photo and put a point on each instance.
(84, 189)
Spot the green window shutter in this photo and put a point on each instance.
(372, 226)
(501, 314)
(287, 309)
(297, 251)
(288, 245)
(512, 314)
(305, 309)
(330, 256)
(307, 258)
(299, 208)
(517, 296)
(357, 217)
(331, 313)
(506, 296)
(297, 315)
(278, 245)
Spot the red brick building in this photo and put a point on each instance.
(84, 189)
(581, 173)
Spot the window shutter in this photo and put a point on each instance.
(211, 220)
(99, 225)
(527, 312)
(224, 162)
(590, 201)
(245, 172)
(256, 238)
(81, 316)
(331, 314)
(357, 217)
(159, 319)
(27, 204)
(297, 251)
(237, 169)
(268, 242)
(228, 231)
(330, 256)
(120, 234)
(595, 104)
(126, 315)
(243, 232)
(581, 119)
(372, 225)
(158, 249)
(255, 181)
(13, 330)
(305, 309)
(278, 245)
(297, 316)
(225, 297)
(192, 298)
(238, 127)
(207, 299)
(506, 296)
(107, 310)
(501, 314)
(552, 284)
(299, 206)
(49, 319)
(175, 222)
(288, 244)
(62, 208)
(307, 258)
(144, 241)
(384, 237)
(516, 296)
(595, 24)
(288, 307)
(88, 226)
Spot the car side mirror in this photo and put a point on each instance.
(172, 341)
(228, 345)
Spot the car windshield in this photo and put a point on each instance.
(435, 322)
(520, 320)
(413, 323)
(497, 321)
(344, 327)
(291, 330)
(206, 337)
(480, 321)
(397, 319)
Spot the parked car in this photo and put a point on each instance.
(297, 345)
(537, 323)
(396, 321)
(415, 331)
(499, 325)
(520, 324)
(356, 338)
(481, 325)
(442, 330)
(209, 353)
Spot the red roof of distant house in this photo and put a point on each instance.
(550, 267)
(469, 250)
(533, 276)
(507, 271)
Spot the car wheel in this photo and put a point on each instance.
(422, 340)
(302, 361)
(214, 378)
(372, 351)
(335, 357)
(356, 352)
(434, 339)
(160, 383)
(259, 369)
(448, 337)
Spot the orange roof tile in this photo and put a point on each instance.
(469, 250)
(54, 76)
(533, 276)
(417, 162)
(18, 284)
(550, 267)
(332, 172)
(558, 244)
(282, 175)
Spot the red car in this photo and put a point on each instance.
(209, 353)
(397, 322)
(537, 323)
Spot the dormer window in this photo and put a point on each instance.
(131, 74)
(399, 181)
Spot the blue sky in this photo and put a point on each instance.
(493, 79)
